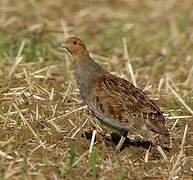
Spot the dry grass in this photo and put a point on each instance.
(44, 124)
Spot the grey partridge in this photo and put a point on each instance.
(114, 101)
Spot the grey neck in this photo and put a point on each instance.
(86, 72)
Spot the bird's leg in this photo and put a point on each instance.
(121, 141)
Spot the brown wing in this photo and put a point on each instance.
(119, 103)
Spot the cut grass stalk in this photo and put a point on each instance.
(28, 125)
(4, 155)
(8, 113)
(162, 153)
(67, 114)
(92, 141)
(18, 58)
(76, 132)
(128, 64)
(180, 99)
(174, 170)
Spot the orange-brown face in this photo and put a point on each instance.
(74, 45)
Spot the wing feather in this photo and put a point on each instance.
(119, 100)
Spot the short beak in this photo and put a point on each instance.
(63, 45)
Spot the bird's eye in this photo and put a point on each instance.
(74, 42)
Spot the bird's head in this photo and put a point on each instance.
(74, 45)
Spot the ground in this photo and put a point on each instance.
(46, 129)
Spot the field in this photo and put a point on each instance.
(47, 132)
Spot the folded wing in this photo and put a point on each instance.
(118, 102)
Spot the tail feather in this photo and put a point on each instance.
(158, 126)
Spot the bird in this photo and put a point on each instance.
(114, 101)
